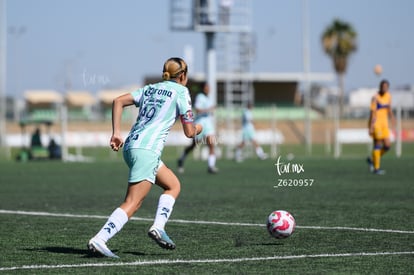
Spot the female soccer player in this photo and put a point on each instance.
(249, 134)
(378, 126)
(204, 116)
(159, 105)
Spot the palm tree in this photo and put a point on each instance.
(339, 42)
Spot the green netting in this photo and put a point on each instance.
(267, 113)
(43, 114)
(75, 114)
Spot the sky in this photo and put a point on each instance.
(96, 44)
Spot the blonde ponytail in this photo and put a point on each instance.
(173, 68)
(166, 76)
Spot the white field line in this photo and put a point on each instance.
(206, 261)
(63, 215)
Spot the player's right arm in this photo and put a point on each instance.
(191, 130)
(372, 116)
(189, 127)
(118, 105)
(186, 116)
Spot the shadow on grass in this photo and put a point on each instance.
(270, 244)
(67, 250)
(242, 242)
(85, 252)
(62, 250)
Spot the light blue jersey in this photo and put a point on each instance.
(159, 106)
(203, 102)
(248, 131)
(247, 117)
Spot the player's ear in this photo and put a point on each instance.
(183, 78)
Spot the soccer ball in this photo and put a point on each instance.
(281, 224)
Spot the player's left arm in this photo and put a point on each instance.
(391, 116)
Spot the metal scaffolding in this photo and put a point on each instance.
(229, 46)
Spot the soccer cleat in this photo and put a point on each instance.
(239, 159)
(161, 238)
(238, 156)
(97, 245)
(263, 156)
(371, 165)
(212, 170)
(379, 172)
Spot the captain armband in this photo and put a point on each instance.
(187, 117)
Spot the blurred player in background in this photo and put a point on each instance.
(248, 135)
(159, 105)
(204, 116)
(36, 140)
(378, 126)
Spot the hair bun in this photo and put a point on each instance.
(166, 75)
(173, 67)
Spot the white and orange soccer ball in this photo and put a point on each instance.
(281, 224)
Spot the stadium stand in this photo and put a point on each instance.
(42, 104)
(79, 105)
(106, 97)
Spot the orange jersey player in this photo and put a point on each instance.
(378, 126)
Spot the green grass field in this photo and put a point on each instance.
(336, 217)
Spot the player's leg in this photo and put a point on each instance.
(211, 161)
(208, 135)
(167, 180)
(376, 156)
(239, 151)
(136, 193)
(386, 146)
(143, 166)
(379, 135)
(383, 135)
(259, 150)
(187, 150)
